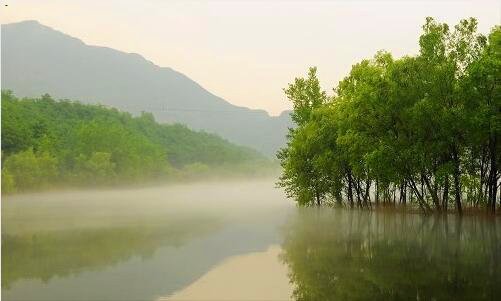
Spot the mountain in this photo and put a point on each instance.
(37, 59)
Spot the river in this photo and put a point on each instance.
(237, 241)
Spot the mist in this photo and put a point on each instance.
(185, 229)
(188, 241)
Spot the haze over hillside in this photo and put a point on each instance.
(37, 59)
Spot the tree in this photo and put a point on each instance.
(30, 171)
(47, 142)
(300, 177)
(422, 129)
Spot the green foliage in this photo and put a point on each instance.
(420, 128)
(48, 143)
(300, 177)
(8, 184)
(305, 95)
(29, 170)
(15, 133)
(96, 168)
(196, 168)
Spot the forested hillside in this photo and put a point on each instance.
(49, 143)
(37, 59)
(422, 129)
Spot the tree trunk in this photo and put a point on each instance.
(493, 179)
(457, 184)
(433, 192)
(394, 195)
(422, 204)
(357, 189)
(366, 195)
(445, 198)
(339, 198)
(350, 189)
(404, 193)
(481, 195)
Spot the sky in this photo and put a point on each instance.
(248, 51)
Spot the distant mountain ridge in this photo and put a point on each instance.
(37, 59)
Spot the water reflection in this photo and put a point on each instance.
(43, 255)
(139, 244)
(148, 244)
(254, 276)
(359, 255)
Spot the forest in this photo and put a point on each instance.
(49, 143)
(420, 130)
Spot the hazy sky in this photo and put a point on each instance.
(247, 51)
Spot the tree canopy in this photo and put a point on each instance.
(47, 143)
(420, 129)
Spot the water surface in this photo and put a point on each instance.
(136, 244)
(237, 241)
(362, 255)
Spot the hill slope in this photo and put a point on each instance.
(37, 59)
(48, 143)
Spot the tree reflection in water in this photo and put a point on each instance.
(359, 255)
(47, 254)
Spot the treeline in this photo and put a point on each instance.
(47, 143)
(421, 129)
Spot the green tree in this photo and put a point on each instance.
(421, 129)
(300, 177)
(31, 171)
(47, 142)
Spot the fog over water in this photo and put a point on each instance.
(132, 244)
(236, 240)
